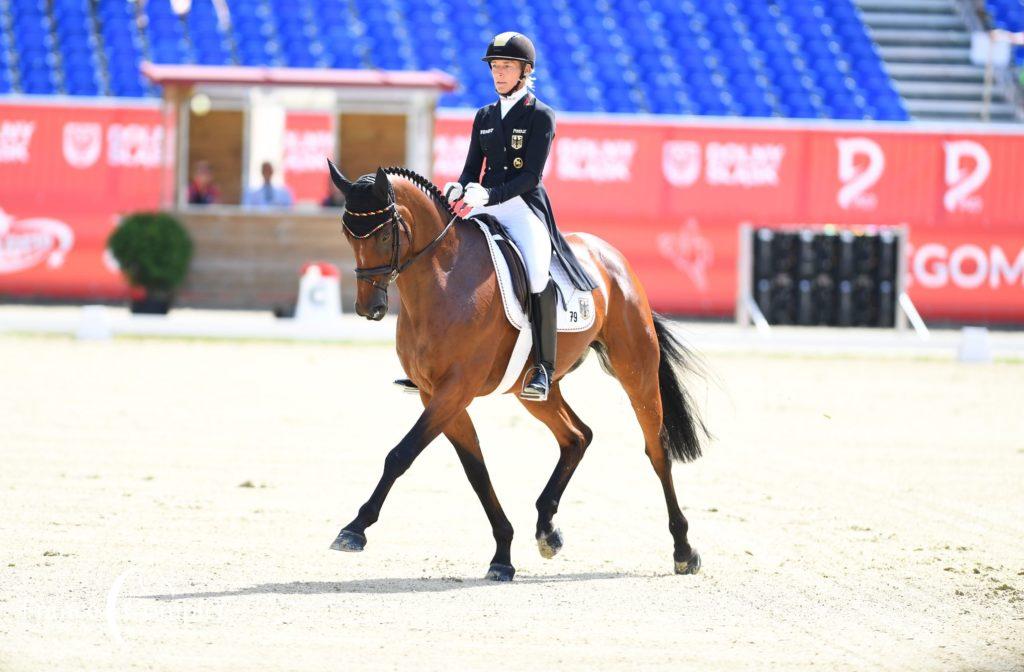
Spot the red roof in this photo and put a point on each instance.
(242, 75)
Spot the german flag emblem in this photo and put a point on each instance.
(517, 142)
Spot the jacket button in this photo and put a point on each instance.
(504, 167)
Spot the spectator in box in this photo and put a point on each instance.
(202, 190)
(267, 195)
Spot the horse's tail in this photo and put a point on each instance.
(682, 429)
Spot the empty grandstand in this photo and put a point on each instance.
(786, 58)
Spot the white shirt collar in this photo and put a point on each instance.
(507, 102)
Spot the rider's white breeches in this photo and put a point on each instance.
(530, 236)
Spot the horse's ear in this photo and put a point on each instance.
(339, 180)
(382, 185)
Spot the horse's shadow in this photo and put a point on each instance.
(386, 586)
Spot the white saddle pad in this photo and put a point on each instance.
(575, 308)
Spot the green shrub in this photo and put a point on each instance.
(153, 249)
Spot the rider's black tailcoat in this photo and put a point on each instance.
(516, 149)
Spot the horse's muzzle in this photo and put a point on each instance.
(375, 312)
(376, 305)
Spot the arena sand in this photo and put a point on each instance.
(168, 505)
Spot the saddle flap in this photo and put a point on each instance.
(513, 258)
(575, 308)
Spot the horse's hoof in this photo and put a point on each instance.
(350, 542)
(407, 385)
(691, 566)
(499, 572)
(550, 544)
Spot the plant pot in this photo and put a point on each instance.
(152, 303)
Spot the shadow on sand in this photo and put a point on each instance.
(388, 586)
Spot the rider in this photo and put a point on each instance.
(514, 134)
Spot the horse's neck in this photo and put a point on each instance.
(422, 285)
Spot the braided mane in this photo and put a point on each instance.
(425, 185)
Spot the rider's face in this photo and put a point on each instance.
(506, 74)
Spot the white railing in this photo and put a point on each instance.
(995, 47)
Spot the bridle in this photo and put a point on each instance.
(393, 268)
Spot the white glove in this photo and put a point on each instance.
(453, 192)
(476, 195)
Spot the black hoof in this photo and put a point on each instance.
(549, 544)
(499, 572)
(350, 542)
(691, 566)
(407, 385)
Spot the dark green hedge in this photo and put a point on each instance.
(153, 249)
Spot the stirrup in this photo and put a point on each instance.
(407, 385)
(538, 387)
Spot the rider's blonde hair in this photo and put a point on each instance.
(529, 80)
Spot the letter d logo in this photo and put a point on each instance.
(858, 180)
(962, 184)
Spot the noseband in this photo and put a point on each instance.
(392, 269)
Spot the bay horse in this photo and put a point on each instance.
(454, 342)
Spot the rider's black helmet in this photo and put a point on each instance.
(511, 46)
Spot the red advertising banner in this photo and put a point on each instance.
(308, 138)
(671, 197)
(669, 194)
(66, 175)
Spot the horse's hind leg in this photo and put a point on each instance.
(634, 355)
(462, 434)
(573, 438)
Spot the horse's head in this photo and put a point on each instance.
(371, 224)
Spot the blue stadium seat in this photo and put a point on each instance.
(801, 58)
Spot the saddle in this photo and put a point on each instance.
(497, 232)
(575, 311)
(575, 308)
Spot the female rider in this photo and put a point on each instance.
(514, 135)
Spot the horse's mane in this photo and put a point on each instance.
(426, 186)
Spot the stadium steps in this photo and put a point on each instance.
(103, 73)
(935, 71)
(145, 47)
(912, 53)
(895, 18)
(59, 68)
(12, 55)
(915, 6)
(921, 108)
(972, 90)
(926, 48)
(931, 38)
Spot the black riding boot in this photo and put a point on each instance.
(542, 321)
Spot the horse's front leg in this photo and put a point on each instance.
(445, 405)
(462, 434)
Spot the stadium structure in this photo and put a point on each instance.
(879, 59)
